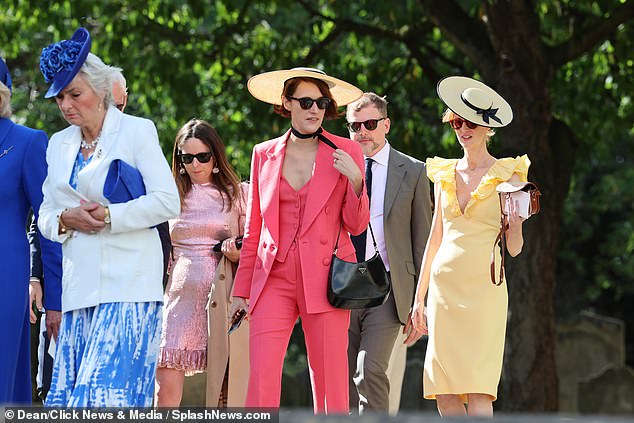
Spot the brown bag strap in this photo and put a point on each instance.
(501, 240)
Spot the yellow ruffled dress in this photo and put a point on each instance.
(466, 313)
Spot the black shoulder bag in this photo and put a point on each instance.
(358, 285)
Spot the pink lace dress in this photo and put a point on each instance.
(202, 223)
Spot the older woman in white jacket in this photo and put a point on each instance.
(112, 258)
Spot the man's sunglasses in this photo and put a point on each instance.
(457, 123)
(369, 124)
(202, 157)
(307, 102)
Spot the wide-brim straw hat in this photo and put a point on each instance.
(474, 101)
(268, 86)
(60, 62)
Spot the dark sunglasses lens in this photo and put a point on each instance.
(456, 123)
(119, 106)
(203, 157)
(354, 126)
(306, 103)
(323, 103)
(371, 124)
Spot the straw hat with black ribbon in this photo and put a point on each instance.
(474, 101)
(268, 86)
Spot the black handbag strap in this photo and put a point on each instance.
(376, 249)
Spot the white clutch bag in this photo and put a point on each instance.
(526, 194)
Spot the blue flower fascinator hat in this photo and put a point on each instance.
(61, 61)
(5, 76)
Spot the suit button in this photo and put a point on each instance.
(327, 210)
(323, 241)
(214, 304)
(264, 245)
(326, 262)
(272, 247)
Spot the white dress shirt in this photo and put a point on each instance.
(379, 181)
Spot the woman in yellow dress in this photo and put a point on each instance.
(466, 313)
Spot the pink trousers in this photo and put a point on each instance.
(326, 336)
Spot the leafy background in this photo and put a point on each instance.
(193, 59)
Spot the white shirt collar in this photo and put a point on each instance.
(383, 155)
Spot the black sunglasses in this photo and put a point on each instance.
(369, 124)
(456, 123)
(307, 102)
(202, 157)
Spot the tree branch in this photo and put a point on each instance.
(317, 48)
(592, 32)
(465, 32)
(353, 26)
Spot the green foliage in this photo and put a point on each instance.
(193, 59)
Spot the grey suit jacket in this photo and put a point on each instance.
(407, 213)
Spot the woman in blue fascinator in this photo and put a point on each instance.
(112, 267)
(22, 172)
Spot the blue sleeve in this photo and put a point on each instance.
(34, 170)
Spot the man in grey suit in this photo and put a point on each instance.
(400, 215)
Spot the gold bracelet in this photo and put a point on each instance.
(62, 228)
(106, 215)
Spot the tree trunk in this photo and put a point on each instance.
(523, 75)
(529, 380)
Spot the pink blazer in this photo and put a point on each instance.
(331, 199)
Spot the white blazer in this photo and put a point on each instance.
(124, 262)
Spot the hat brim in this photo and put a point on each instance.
(268, 86)
(63, 78)
(450, 91)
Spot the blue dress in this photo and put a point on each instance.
(22, 172)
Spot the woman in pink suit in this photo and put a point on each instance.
(303, 193)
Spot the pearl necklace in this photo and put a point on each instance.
(89, 145)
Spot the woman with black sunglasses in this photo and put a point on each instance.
(306, 189)
(466, 314)
(213, 206)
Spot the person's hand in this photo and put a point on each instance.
(230, 250)
(514, 219)
(35, 296)
(413, 333)
(81, 218)
(237, 304)
(53, 321)
(345, 164)
(99, 210)
(419, 317)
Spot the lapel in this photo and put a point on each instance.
(5, 128)
(395, 175)
(323, 182)
(111, 124)
(269, 184)
(68, 153)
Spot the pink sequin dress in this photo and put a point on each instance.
(202, 223)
